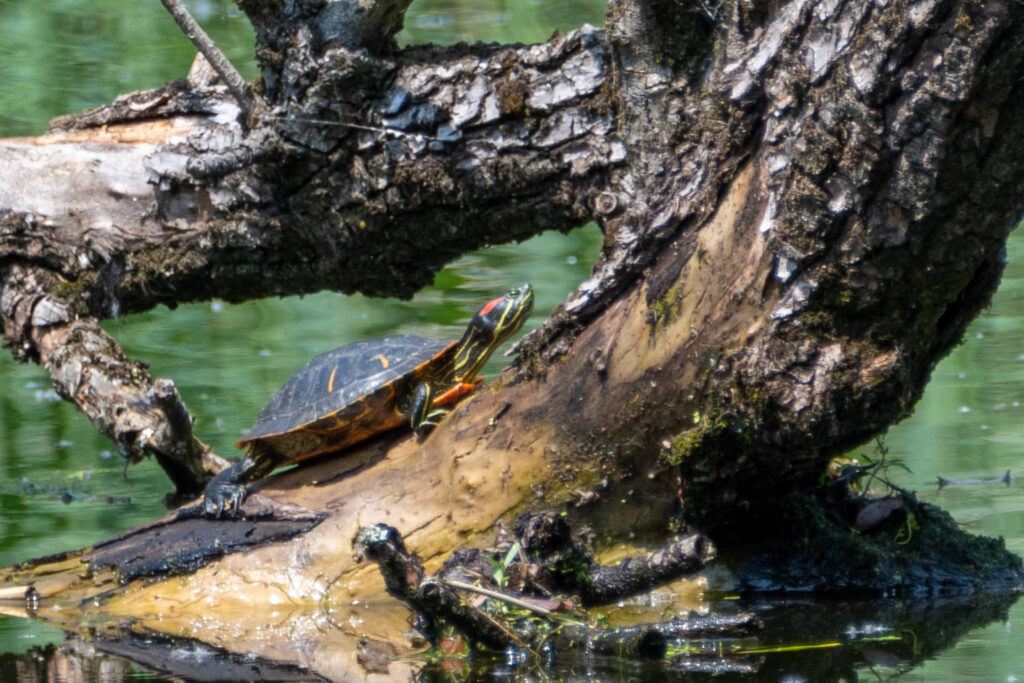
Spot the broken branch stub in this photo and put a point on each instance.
(138, 414)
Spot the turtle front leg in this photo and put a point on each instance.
(420, 414)
(428, 407)
(227, 491)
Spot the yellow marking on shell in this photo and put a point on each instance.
(330, 382)
(383, 360)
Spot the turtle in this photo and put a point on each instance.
(359, 390)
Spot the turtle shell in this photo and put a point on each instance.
(344, 396)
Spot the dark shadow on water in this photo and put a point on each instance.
(802, 639)
(822, 640)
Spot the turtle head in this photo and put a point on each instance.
(498, 320)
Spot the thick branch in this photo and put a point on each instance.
(799, 316)
(445, 150)
(137, 413)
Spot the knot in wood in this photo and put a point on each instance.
(605, 203)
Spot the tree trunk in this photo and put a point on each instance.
(804, 204)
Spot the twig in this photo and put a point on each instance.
(356, 126)
(513, 638)
(497, 596)
(228, 73)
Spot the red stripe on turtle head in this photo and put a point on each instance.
(489, 306)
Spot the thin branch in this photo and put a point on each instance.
(241, 91)
(498, 596)
(395, 132)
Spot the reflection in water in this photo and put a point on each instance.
(801, 640)
(118, 658)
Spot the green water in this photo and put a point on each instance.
(62, 486)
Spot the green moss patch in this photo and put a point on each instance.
(919, 552)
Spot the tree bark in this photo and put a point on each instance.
(804, 204)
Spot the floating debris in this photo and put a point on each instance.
(68, 495)
(1005, 479)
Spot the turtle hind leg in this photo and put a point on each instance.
(227, 491)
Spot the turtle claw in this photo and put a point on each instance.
(223, 500)
(430, 421)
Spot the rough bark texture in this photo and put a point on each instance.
(804, 205)
(370, 176)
